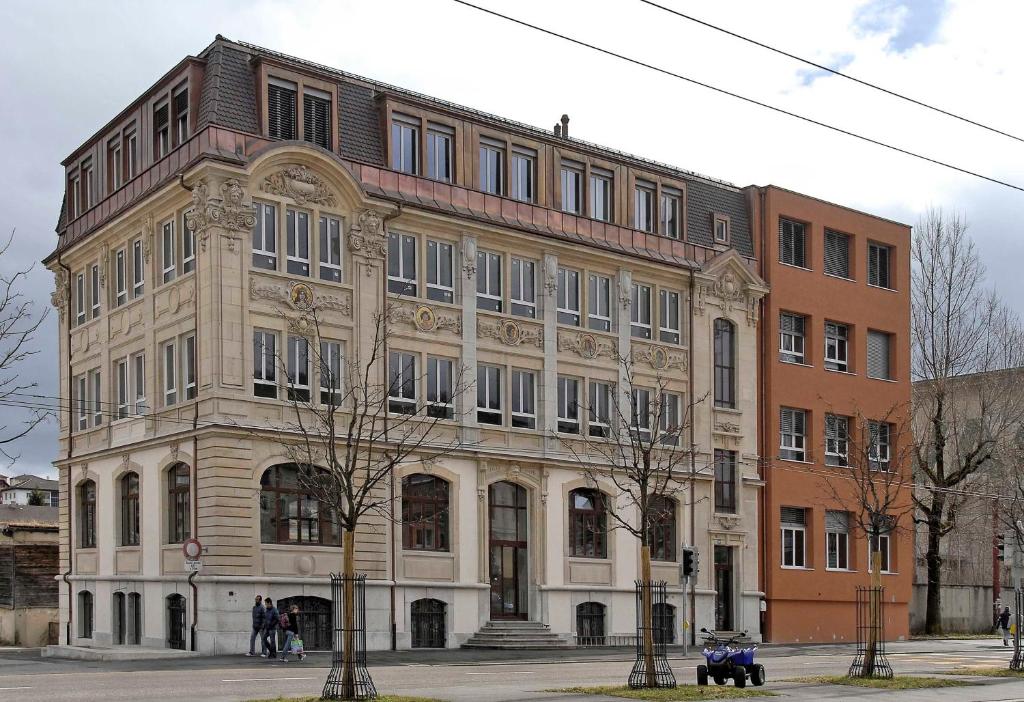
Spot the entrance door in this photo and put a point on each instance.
(508, 553)
(723, 588)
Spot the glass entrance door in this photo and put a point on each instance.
(723, 588)
(508, 551)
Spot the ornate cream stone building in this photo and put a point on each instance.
(203, 225)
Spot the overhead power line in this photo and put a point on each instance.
(752, 101)
(847, 76)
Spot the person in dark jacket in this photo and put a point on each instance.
(1004, 626)
(270, 629)
(291, 629)
(259, 614)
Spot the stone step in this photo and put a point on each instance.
(516, 635)
(516, 645)
(515, 624)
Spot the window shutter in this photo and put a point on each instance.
(316, 120)
(837, 521)
(791, 243)
(873, 265)
(792, 421)
(792, 323)
(878, 355)
(837, 254)
(794, 516)
(281, 111)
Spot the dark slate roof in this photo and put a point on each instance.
(229, 90)
(703, 201)
(359, 125)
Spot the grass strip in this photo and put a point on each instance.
(383, 698)
(675, 694)
(988, 672)
(900, 682)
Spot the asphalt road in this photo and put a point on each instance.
(463, 676)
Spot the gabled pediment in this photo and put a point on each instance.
(727, 282)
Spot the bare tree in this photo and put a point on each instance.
(962, 336)
(639, 444)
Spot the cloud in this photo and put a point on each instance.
(809, 75)
(908, 23)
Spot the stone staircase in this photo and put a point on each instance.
(516, 635)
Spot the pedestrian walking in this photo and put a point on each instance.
(270, 624)
(1004, 625)
(259, 614)
(292, 638)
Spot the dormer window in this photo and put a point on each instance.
(281, 121)
(643, 207)
(115, 164)
(74, 196)
(161, 130)
(492, 167)
(405, 137)
(721, 229)
(316, 117)
(180, 102)
(131, 154)
(671, 208)
(88, 184)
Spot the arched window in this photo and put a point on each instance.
(176, 621)
(661, 529)
(134, 619)
(179, 522)
(424, 513)
(130, 509)
(428, 626)
(725, 363)
(85, 614)
(87, 515)
(288, 515)
(664, 623)
(587, 524)
(119, 615)
(590, 624)
(314, 620)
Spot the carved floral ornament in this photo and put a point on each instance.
(61, 294)
(511, 332)
(366, 236)
(301, 298)
(659, 358)
(301, 185)
(229, 213)
(585, 345)
(424, 319)
(730, 293)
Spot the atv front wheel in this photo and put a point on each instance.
(757, 675)
(719, 679)
(739, 676)
(702, 675)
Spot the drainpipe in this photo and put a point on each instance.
(194, 492)
(71, 444)
(763, 409)
(693, 470)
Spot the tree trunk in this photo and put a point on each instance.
(933, 559)
(348, 654)
(647, 615)
(874, 612)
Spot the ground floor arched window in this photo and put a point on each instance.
(85, 614)
(590, 624)
(427, 622)
(176, 622)
(133, 620)
(314, 620)
(664, 623)
(119, 617)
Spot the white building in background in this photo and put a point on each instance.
(20, 488)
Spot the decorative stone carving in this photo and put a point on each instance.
(365, 236)
(586, 345)
(147, 238)
(104, 262)
(469, 257)
(698, 301)
(300, 296)
(230, 214)
(660, 358)
(424, 319)
(59, 298)
(727, 427)
(125, 460)
(301, 185)
(729, 290)
(729, 521)
(510, 332)
(625, 295)
(550, 277)
(174, 453)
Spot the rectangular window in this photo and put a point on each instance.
(879, 265)
(879, 436)
(316, 117)
(670, 424)
(721, 230)
(401, 382)
(439, 152)
(524, 410)
(297, 232)
(440, 263)
(568, 405)
(792, 431)
(138, 269)
(123, 395)
(836, 440)
(401, 264)
(170, 374)
(791, 337)
(439, 388)
(161, 130)
(671, 210)
(524, 290)
(488, 395)
(82, 402)
(640, 311)
(330, 373)
(131, 155)
(139, 383)
(188, 248)
(281, 108)
(94, 290)
(568, 297)
(488, 281)
(120, 277)
(837, 540)
(725, 481)
(298, 369)
(640, 413)
(643, 207)
(188, 367)
(180, 101)
(878, 355)
(405, 142)
(74, 196)
(794, 530)
(168, 256)
(264, 236)
(600, 416)
(880, 545)
(330, 249)
(492, 167)
(524, 166)
(792, 243)
(837, 254)
(572, 189)
(836, 352)
(80, 299)
(264, 356)
(96, 397)
(115, 165)
(668, 316)
(600, 195)
(599, 293)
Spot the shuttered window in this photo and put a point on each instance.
(281, 109)
(792, 243)
(837, 540)
(316, 117)
(791, 337)
(837, 254)
(794, 540)
(878, 266)
(878, 355)
(878, 448)
(836, 446)
(792, 434)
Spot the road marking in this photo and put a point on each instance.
(508, 672)
(15, 688)
(263, 679)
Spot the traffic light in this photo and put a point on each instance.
(1001, 547)
(691, 562)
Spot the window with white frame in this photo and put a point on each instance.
(670, 422)
(264, 236)
(188, 247)
(837, 540)
(878, 355)
(568, 297)
(643, 207)
(640, 412)
(879, 437)
(721, 229)
(188, 366)
(169, 373)
(492, 167)
(879, 272)
(524, 164)
(81, 402)
(836, 440)
(837, 254)
(123, 396)
(131, 391)
(599, 293)
(600, 194)
(74, 195)
(523, 288)
(572, 188)
(836, 350)
(330, 372)
(791, 337)
(600, 415)
(439, 152)
(297, 234)
(794, 541)
(120, 277)
(440, 264)
(96, 396)
(488, 394)
(401, 264)
(523, 405)
(298, 368)
(138, 371)
(161, 129)
(668, 316)
(792, 243)
(640, 311)
(80, 299)
(671, 212)
(439, 388)
(405, 146)
(792, 434)
(94, 288)
(264, 357)
(330, 248)
(131, 140)
(568, 405)
(488, 281)
(880, 544)
(167, 259)
(401, 382)
(138, 269)
(180, 100)
(88, 183)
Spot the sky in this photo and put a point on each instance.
(67, 68)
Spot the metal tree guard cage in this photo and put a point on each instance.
(870, 661)
(1016, 663)
(361, 684)
(663, 677)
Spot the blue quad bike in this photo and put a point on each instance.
(726, 661)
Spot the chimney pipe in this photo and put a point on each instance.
(558, 130)
(565, 126)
